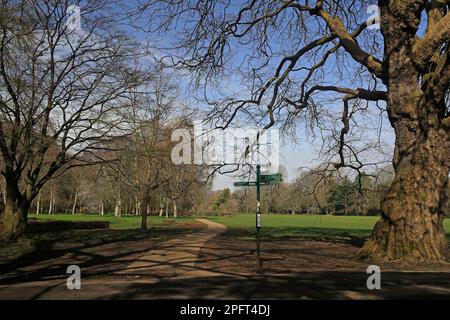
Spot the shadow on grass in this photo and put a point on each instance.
(355, 237)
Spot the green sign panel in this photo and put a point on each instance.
(270, 178)
(264, 179)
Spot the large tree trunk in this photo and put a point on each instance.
(411, 228)
(14, 217)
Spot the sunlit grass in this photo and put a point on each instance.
(315, 227)
(123, 222)
(274, 226)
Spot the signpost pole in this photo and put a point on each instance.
(258, 218)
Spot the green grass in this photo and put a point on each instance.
(352, 229)
(124, 222)
(303, 221)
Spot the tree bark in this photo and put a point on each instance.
(167, 209)
(161, 208)
(14, 218)
(138, 207)
(143, 209)
(38, 203)
(51, 203)
(411, 228)
(117, 208)
(175, 211)
(74, 207)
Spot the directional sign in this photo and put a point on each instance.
(261, 180)
(264, 179)
(270, 178)
(245, 183)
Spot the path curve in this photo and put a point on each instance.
(176, 258)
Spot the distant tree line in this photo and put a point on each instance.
(310, 193)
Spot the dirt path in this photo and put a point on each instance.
(176, 257)
(171, 260)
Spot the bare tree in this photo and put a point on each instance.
(61, 88)
(297, 57)
(142, 156)
(181, 180)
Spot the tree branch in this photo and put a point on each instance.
(424, 48)
(356, 93)
(350, 45)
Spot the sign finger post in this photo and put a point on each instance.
(261, 179)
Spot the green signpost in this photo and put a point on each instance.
(261, 180)
(258, 217)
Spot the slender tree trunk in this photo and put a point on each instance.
(345, 205)
(161, 208)
(102, 209)
(50, 205)
(138, 208)
(143, 211)
(167, 209)
(175, 212)
(117, 208)
(38, 203)
(74, 207)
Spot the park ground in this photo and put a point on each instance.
(303, 257)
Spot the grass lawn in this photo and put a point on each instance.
(124, 222)
(274, 227)
(311, 227)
